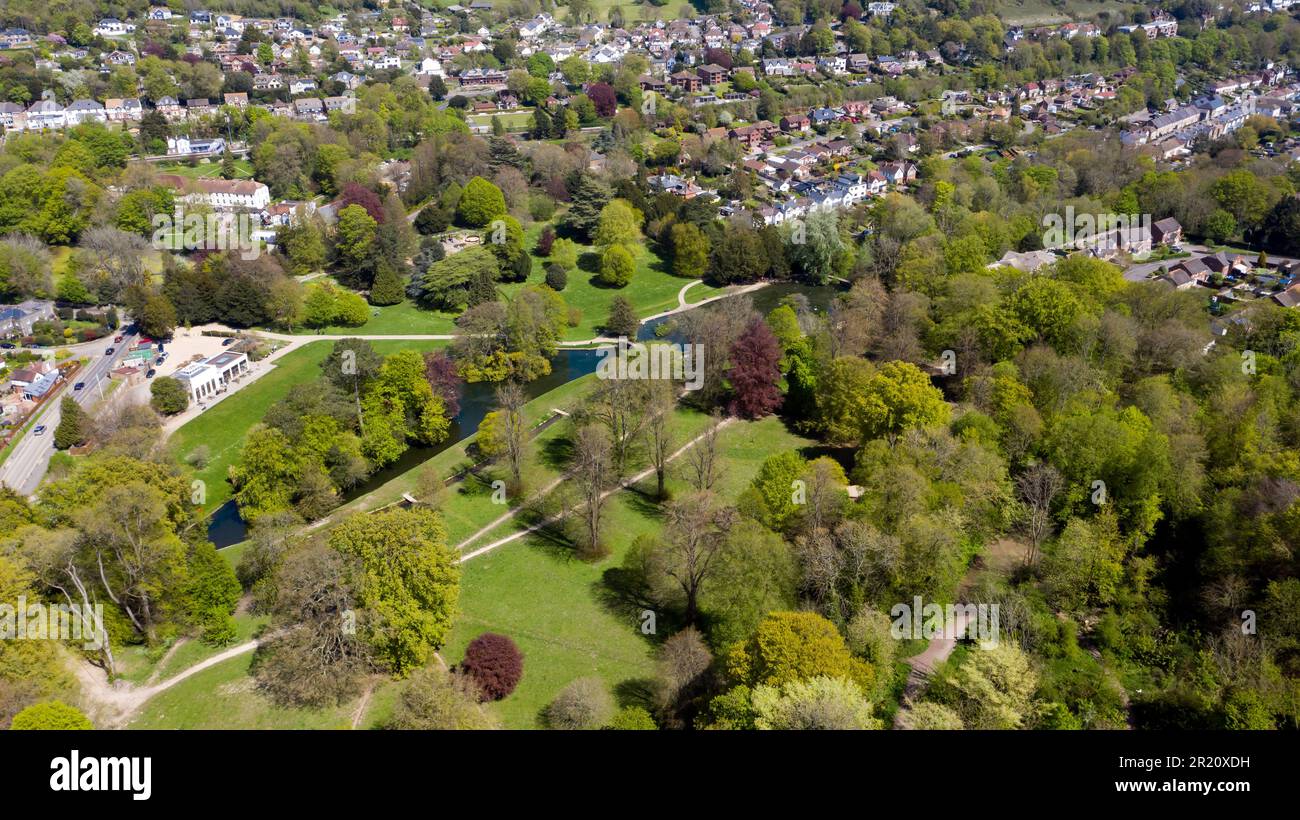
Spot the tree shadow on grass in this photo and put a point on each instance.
(636, 692)
(557, 453)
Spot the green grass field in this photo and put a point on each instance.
(1047, 12)
(223, 426)
(517, 120)
(243, 169)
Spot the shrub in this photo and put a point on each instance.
(616, 266)
(168, 396)
(53, 714)
(632, 717)
(494, 663)
(583, 704)
(557, 279)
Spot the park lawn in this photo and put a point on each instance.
(137, 663)
(402, 319)
(653, 288)
(224, 696)
(467, 506)
(223, 426)
(1046, 12)
(549, 603)
(212, 168)
(559, 610)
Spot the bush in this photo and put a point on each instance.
(494, 663)
(545, 241)
(616, 266)
(556, 277)
(168, 396)
(583, 704)
(632, 717)
(54, 714)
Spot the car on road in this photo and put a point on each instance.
(109, 352)
(79, 385)
(39, 431)
(8, 345)
(118, 338)
(150, 374)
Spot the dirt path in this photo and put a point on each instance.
(114, 704)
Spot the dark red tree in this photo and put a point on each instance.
(851, 9)
(603, 97)
(440, 373)
(718, 56)
(354, 193)
(545, 241)
(755, 372)
(494, 663)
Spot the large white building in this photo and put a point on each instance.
(203, 380)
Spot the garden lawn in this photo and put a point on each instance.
(403, 319)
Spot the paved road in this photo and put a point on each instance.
(26, 465)
(1142, 270)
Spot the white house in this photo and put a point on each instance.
(203, 380)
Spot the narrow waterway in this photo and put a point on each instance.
(226, 527)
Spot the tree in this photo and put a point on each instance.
(436, 700)
(74, 424)
(388, 288)
(158, 318)
(994, 688)
(900, 397)
(755, 372)
(495, 665)
(702, 467)
(826, 703)
(354, 238)
(52, 715)
(604, 98)
(168, 396)
(480, 203)
(619, 224)
(841, 408)
(583, 704)
(695, 533)
(632, 718)
(930, 716)
(661, 399)
(622, 319)
(407, 580)
(616, 266)
(589, 196)
(1038, 487)
(591, 472)
(690, 250)
(793, 646)
(513, 433)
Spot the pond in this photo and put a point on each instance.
(226, 527)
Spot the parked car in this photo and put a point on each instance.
(158, 361)
(224, 342)
(8, 345)
(150, 374)
(39, 431)
(118, 338)
(79, 385)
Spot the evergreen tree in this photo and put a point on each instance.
(589, 198)
(622, 319)
(74, 425)
(388, 288)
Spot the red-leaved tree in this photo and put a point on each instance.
(440, 372)
(354, 193)
(603, 97)
(755, 372)
(494, 663)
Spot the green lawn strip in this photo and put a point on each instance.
(137, 663)
(223, 426)
(403, 319)
(224, 696)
